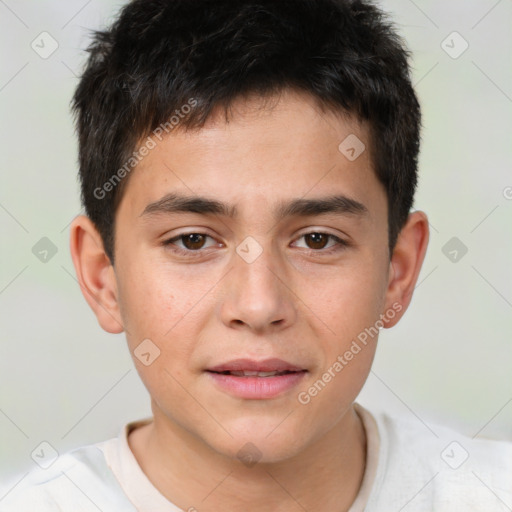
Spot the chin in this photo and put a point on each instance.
(262, 440)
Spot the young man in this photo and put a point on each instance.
(248, 169)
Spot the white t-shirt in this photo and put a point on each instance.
(409, 467)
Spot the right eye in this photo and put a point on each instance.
(192, 243)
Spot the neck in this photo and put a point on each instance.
(325, 476)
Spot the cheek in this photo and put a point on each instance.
(168, 308)
(347, 300)
(350, 308)
(155, 300)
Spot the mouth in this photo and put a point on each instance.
(255, 374)
(241, 366)
(248, 379)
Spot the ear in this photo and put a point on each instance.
(95, 273)
(405, 266)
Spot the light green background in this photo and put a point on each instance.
(65, 381)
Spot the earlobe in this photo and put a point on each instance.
(95, 273)
(405, 265)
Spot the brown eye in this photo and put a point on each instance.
(193, 241)
(317, 240)
(322, 243)
(189, 244)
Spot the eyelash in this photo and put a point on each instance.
(341, 244)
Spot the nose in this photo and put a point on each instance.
(258, 294)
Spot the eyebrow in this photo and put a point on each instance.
(335, 204)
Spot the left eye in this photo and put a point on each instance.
(319, 241)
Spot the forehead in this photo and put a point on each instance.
(265, 152)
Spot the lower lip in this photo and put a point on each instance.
(257, 387)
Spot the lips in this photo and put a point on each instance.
(254, 374)
(252, 368)
(256, 380)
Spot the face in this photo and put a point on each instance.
(285, 258)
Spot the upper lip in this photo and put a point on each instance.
(267, 365)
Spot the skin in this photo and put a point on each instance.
(293, 302)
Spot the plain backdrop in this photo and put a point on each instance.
(66, 382)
